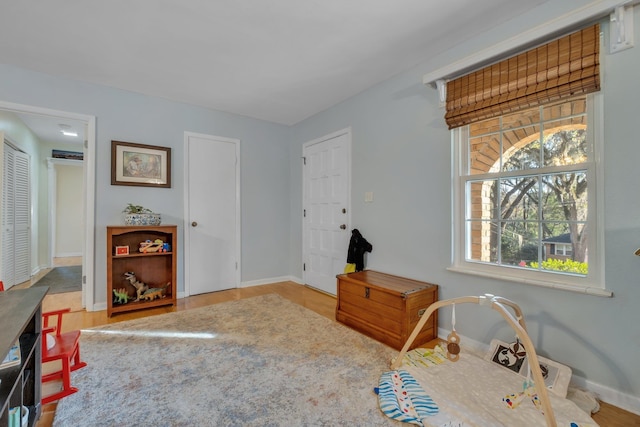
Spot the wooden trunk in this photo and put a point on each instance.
(386, 307)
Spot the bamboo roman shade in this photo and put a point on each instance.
(562, 68)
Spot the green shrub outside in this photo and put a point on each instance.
(567, 266)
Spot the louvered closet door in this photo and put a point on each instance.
(8, 241)
(16, 218)
(22, 215)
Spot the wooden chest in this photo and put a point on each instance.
(386, 307)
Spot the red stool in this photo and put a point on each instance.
(66, 349)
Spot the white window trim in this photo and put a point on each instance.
(593, 283)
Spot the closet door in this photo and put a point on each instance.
(8, 241)
(22, 218)
(16, 218)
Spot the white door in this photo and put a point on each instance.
(212, 216)
(16, 217)
(7, 275)
(22, 218)
(326, 209)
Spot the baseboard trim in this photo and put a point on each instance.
(270, 281)
(67, 254)
(609, 395)
(100, 306)
(606, 394)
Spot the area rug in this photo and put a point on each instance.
(262, 361)
(62, 279)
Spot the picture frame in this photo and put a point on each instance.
(121, 250)
(140, 165)
(68, 155)
(556, 376)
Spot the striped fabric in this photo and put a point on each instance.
(401, 398)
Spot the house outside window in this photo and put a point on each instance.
(560, 248)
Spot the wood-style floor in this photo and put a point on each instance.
(319, 302)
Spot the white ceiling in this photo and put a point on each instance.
(48, 129)
(275, 60)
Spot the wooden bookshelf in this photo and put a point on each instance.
(156, 269)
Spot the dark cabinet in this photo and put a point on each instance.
(21, 321)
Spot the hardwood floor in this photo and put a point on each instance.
(319, 302)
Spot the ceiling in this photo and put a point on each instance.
(276, 60)
(49, 129)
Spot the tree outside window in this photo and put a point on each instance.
(526, 184)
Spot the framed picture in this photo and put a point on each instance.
(512, 356)
(69, 155)
(142, 165)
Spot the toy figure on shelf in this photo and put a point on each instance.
(153, 293)
(140, 286)
(120, 296)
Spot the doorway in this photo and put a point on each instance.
(65, 178)
(326, 209)
(212, 213)
(39, 120)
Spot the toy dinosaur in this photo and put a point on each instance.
(153, 293)
(140, 286)
(120, 296)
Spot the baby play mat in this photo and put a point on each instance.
(476, 392)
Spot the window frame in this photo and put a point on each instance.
(562, 249)
(593, 283)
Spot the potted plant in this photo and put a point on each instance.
(139, 215)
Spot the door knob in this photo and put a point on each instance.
(194, 224)
(343, 227)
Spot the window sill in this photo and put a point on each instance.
(535, 282)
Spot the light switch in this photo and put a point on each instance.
(368, 196)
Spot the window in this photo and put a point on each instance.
(526, 187)
(566, 250)
(527, 134)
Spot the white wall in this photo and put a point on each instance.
(402, 153)
(69, 207)
(44, 244)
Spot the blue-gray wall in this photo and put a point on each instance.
(402, 153)
(126, 116)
